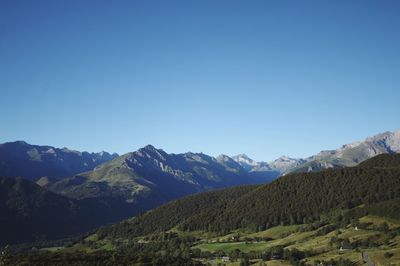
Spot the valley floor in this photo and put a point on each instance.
(370, 240)
(369, 244)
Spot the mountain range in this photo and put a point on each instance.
(125, 186)
(347, 155)
(33, 162)
(149, 177)
(343, 217)
(116, 187)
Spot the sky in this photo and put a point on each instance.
(265, 78)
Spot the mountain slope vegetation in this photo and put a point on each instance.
(29, 212)
(341, 217)
(295, 198)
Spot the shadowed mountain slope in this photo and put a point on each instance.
(30, 213)
(33, 161)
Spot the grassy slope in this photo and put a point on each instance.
(288, 237)
(292, 236)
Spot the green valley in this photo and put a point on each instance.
(334, 217)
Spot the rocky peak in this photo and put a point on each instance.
(149, 147)
(395, 141)
(196, 157)
(223, 158)
(284, 163)
(379, 137)
(19, 142)
(284, 158)
(150, 152)
(250, 165)
(244, 159)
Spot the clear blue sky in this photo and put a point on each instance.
(265, 78)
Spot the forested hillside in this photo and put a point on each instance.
(295, 198)
(341, 217)
(31, 213)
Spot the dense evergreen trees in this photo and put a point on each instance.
(292, 199)
(328, 200)
(29, 213)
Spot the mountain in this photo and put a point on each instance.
(291, 199)
(247, 163)
(347, 155)
(33, 161)
(130, 184)
(31, 213)
(149, 177)
(125, 186)
(284, 163)
(341, 217)
(353, 153)
(274, 168)
(346, 216)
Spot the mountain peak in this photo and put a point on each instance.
(21, 142)
(18, 142)
(395, 143)
(149, 147)
(380, 136)
(247, 163)
(150, 151)
(243, 156)
(284, 158)
(223, 158)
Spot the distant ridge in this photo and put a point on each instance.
(34, 161)
(347, 155)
